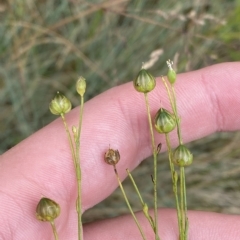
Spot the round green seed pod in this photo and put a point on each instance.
(171, 76)
(182, 157)
(47, 210)
(144, 82)
(60, 104)
(164, 121)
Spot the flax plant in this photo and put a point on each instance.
(165, 122)
(144, 83)
(112, 157)
(60, 105)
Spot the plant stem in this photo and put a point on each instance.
(172, 98)
(155, 167)
(128, 204)
(174, 107)
(182, 202)
(174, 182)
(135, 186)
(185, 222)
(146, 214)
(182, 212)
(183, 195)
(54, 230)
(78, 173)
(69, 139)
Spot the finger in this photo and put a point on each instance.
(208, 101)
(203, 225)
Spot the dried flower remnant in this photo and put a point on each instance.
(112, 157)
(159, 147)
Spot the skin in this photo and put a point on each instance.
(41, 165)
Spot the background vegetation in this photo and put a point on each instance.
(46, 45)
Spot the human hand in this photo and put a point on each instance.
(41, 165)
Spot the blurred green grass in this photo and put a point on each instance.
(46, 45)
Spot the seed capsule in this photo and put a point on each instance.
(81, 86)
(171, 76)
(164, 121)
(171, 73)
(144, 82)
(182, 157)
(47, 210)
(60, 104)
(112, 157)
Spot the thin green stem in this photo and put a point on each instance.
(54, 230)
(176, 115)
(69, 139)
(170, 155)
(183, 223)
(186, 229)
(175, 190)
(174, 181)
(155, 167)
(182, 201)
(185, 205)
(79, 173)
(168, 91)
(146, 214)
(172, 98)
(128, 204)
(135, 186)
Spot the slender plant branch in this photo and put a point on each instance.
(168, 91)
(174, 107)
(54, 230)
(182, 201)
(182, 209)
(128, 204)
(155, 167)
(185, 205)
(172, 98)
(170, 156)
(174, 181)
(79, 173)
(183, 195)
(144, 205)
(135, 186)
(69, 139)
